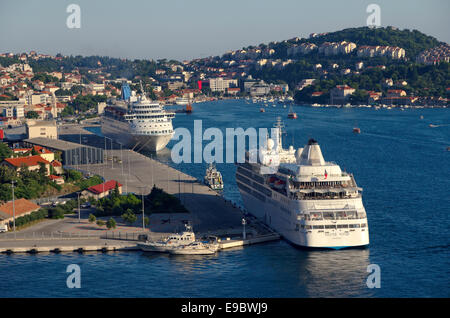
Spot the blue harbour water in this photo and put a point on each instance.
(401, 163)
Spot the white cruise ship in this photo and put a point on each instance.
(308, 201)
(143, 125)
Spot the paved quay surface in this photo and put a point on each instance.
(208, 210)
(65, 245)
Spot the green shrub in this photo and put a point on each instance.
(92, 218)
(129, 216)
(57, 213)
(111, 224)
(33, 216)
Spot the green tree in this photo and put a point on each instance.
(44, 78)
(129, 216)
(5, 151)
(111, 224)
(92, 218)
(32, 114)
(57, 213)
(100, 223)
(359, 96)
(84, 103)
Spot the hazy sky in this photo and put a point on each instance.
(186, 29)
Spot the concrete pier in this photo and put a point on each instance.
(99, 245)
(137, 173)
(224, 244)
(209, 213)
(57, 246)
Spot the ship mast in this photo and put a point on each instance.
(279, 126)
(143, 97)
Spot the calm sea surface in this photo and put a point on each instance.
(401, 163)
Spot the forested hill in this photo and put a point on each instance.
(412, 41)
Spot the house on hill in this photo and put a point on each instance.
(56, 179)
(101, 190)
(340, 94)
(21, 207)
(57, 167)
(32, 163)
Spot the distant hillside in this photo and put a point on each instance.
(423, 80)
(412, 41)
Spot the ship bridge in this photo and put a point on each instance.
(311, 166)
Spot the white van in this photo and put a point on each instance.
(3, 228)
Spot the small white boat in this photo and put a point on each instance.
(196, 248)
(292, 114)
(213, 178)
(175, 240)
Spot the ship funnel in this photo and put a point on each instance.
(270, 144)
(298, 155)
(312, 155)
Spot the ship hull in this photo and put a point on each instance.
(119, 132)
(155, 248)
(284, 223)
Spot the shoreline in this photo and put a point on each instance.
(377, 106)
(389, 107)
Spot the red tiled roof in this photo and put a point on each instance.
(27, 161)
(343, 87)
(108, 185)
(21, 206)
(41, 150)
(21, 149)
(56, 163)
(53, 177)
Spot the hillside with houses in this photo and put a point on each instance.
(379, 66)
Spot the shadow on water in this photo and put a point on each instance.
(340, 273)
(397, 159)
(309, 274)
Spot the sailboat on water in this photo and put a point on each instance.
(292, 114)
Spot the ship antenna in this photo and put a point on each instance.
(280, 126)
(142, 88)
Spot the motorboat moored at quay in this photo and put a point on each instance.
(165, 245)
(184, 243)
(196, 248)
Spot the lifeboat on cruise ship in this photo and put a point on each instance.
(272, 180)
(279, 184)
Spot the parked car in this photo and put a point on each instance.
(3, 228)
(86, 205)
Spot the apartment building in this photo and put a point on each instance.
(220, 84)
